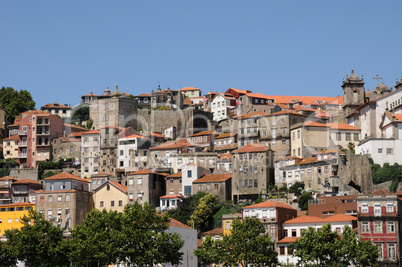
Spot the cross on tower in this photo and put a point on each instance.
(377, 78)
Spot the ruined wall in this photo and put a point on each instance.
(27, 173)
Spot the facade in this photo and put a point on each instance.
(144, 100)
(36, 131)
(204, 139)
(90, 153)
(10, 215)
(253, 171)
(24, 190)
(292, 230)
(219, 184)
(225, 139)
(168, 202)
(110, 196)
(66, 199)
(332, 205)
(88, 98)
(207, 160)
(280, 164)
(225, 162)
(221, 106)
(112, 109)
(64, 111)
(6, 191)
(10, 147)
(145, 186)
(227, 220)
(191, 91)
(167, 97)
(128, 145)
(190, 173)
(174, 185)
(379, 221)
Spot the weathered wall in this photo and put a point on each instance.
(24, 173)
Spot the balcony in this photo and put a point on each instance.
(42, 144)
(43, 133)
(22, 155)
(22, 144)
(22, 132)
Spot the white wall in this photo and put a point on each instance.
(371, 147)
(190, 244)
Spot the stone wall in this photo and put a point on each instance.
(27, 173)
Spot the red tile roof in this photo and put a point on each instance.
(287, 240)
(26, 181)
(190, 89)
(216, 231)
(340, 218)
(144, 95)
(252, 147)
(175, 175)
(270, 204)
(285, 158)
(306, 100)
(172, 145)
(91, 132)
(226, 135)
(91, 94)
(227, 147)
(305, 219)
(135, 136)
(154, 134)
(286, 112)
(342, 126)
(66, 175)
(315, 124)
(176, 223)
(18, 204)
(13, 137)
(143, 171)
(203, 133)
(56, 106)
(251, 115)
(381, 192)
(122, 187)
(211, 178)
(225, 156)
(6, 178)
(171, 196)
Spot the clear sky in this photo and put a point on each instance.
(60, 50)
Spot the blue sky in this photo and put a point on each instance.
(60, 50)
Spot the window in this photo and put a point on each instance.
(391, 251)
(67, 198)
(208, 187)
(390, 207)
(50, 199)
(171, 181)
(130, 181)
(50, 214)
(348, 138)
(216, 186)
(377, 209)
(380, 150)
(281, 250)
(389, 151)
(285, 232)
(120, 203)
(356, 137)
(365, 227)
(377, 227)
(139, 180)
(364, 208)
(227, 225)
(101, 204)
(294, 233)
(390, 227)
(9, 220)
(42, 199)
(200, 187)
(59, 198)
(189, 174)
(112, 203)
(338, 136)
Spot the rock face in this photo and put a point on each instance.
(355, 174)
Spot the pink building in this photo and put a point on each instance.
(36, 130)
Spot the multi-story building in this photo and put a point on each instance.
(63, 111)
(67, 147)
(272, 214)
(90, 153)
(292, 230)
(11, 214)
(112, 109)
(227, 220)
(6, 191)
(253, 171)
(167, 97)
(24, 190)
(145, 186)
(225, 162)
(10, 147)
(204, 139)
(66, 199)
(110, 196)
(280, 164)
(168, 202)
(129, 145)
(332, 205)
(86, 99)
(190, 173)
(219, 184)
(174, 184)
(36, 131)
(379, 219)
(207, 160)
(222, 106)
(144, 100)
(191, 91)
(225, 139)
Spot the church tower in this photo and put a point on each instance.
(353, 93)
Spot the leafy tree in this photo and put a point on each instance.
(37, 243)
(385, 173)
(202, 217)
(248, 245)
(7, 257)
(146, 242)
(296, 188)
(97, 242)
(327, 248)
(89, 124)
(81, 113)
(186, 207)
(303, 199)
(15, 102)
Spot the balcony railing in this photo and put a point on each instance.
(22, 155)
(21, 144)
(22, 132)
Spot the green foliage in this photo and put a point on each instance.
(6, 165)
(247, 245)
(163, 108)
(186, 207)
(48, 174)
(303, 199)
(37, 243)
(296, 188)
(90, 122)
(259, 198)
(81, 113)
(15, 102)
(202, 217)
(327, 248)
(386, 173)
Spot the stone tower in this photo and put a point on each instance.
(353, 93)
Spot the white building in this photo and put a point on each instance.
(168, 202)
(90, 153)
(292, 230)
(190, 173)
(221, 104)
(128, 145)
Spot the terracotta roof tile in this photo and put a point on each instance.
(203, 133)
(381, 192)
(66, 175)
(287, 240)
(340, 218)
(172, 145)
(305, 161)
(342, 126)
(122, 187)
(216, 231)
(154, 134)
(305, 219)
(226, 135)
(225, 156)
(92, 132)
(143, 171)
(227, 147)
(211, 178)
(56, 106)
(189, 89)
(176, 223)
(18, 204)
(269, 204)
(315, 124)
(13, 137)
(135, 136)
(175, 175)
(26, 181)
(171, 196)
(6, 178)
(91, 94)
(252, 147)
(251, 115)
(285, 112)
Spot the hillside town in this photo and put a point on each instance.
(246, 148)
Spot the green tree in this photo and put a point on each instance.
(80, 114)
(15, 102)
(202, 218)
(89, 124)
(296, 188)
(186, 207)
(327, 248)
(248, 245)
(303, 199)
(7, 257)
(98, 240)
(37, 243)
(145, 240)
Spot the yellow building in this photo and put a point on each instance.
(227, 222)
(11, 214)
(10, 147)
(110, 196)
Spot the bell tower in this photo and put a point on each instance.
(353, 93)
